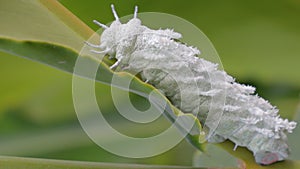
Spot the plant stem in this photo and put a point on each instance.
(34, 163)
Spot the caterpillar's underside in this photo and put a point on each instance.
(177, 71)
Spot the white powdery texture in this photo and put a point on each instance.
(247, 120)
(190, 83)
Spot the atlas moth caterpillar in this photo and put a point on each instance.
(162, 61)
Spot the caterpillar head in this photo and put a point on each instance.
(269, 157)
(117, 33)
(272, 150)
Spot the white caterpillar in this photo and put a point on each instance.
(167, 64)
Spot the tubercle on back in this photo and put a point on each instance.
(113, 35)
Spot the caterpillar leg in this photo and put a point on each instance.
(115, 64)
(98, 52)
(101, 46)
(215, 138)
(100, 24)
(92, 45)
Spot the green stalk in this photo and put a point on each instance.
(34, 163)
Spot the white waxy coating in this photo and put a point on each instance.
(175, 69)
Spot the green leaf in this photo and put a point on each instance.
(46, 53)
(213, 153)
(39, 21)
(195, 136)
(247, 160)
(46, 21)
(54, 37)
(214, 156)
(31, 163)
(64, 59)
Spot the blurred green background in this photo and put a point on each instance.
(258, 42)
